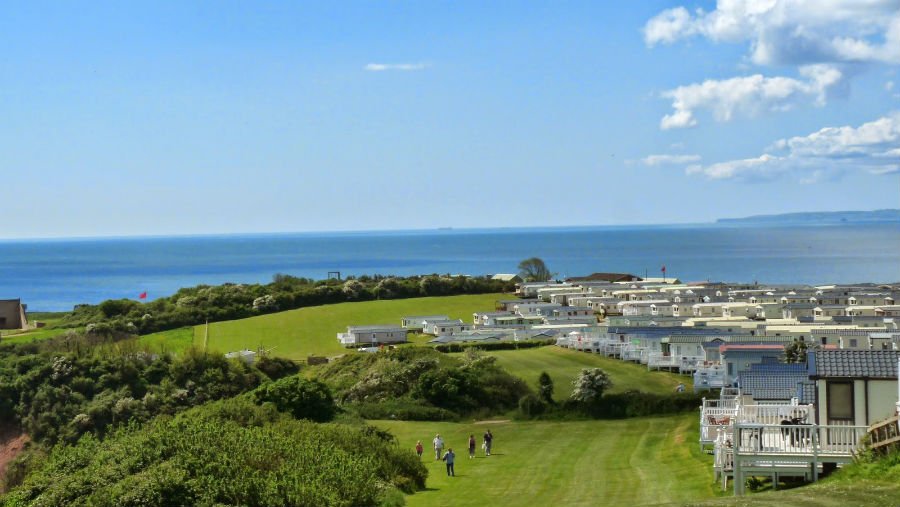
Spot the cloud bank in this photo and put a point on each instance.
(794, 32)
(748, 95)
(873, 147)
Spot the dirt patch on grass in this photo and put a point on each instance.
(495, 421)
(12, 443)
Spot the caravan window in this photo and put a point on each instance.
(840, 401)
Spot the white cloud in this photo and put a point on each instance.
(888, 86)
(873, 147)
(665, 159)
(748, 95)
(791, 31)
(759, 167)
(381, 67)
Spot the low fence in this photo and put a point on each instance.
(885, 434)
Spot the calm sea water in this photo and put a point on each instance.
(52, 275)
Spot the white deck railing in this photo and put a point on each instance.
(613, 349)
(346, 339)
(661, 360)
(684, 364)
(708, 381)
(799, 440)
(632, 352)
(774, 413)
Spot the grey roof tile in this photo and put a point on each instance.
(855, 363)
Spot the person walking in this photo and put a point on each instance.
(471, 446)
(438, 444)
(488, 440)
(419, 449)
(449, 457)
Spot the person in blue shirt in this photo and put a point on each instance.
(449, 457)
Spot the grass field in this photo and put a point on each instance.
(48, 318)
(563, 365)
(860, 493)
(296, 334)
(628, 462)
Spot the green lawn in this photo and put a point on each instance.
(864, 483)
(296, 334)
(829, 493)
(563, 365)
(49, 319)
(627, 462)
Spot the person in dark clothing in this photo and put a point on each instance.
(488, 440)
(471, 446)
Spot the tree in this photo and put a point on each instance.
(795, 352)
(545, 384)
(534, 270)
(304, 399)
(590, 385)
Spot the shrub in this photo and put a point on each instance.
(304, 399)
(405, 410)
(530, 405)
(590, 385)
(545, 387)
(277, 367)
(207, 457)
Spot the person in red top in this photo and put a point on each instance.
(419, 449)
(471, 446)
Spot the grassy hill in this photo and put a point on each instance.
(295, 334)
(628, 462)
(563, 365)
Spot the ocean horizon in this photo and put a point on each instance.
(57, 273)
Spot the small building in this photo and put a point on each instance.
(489, 318)
(445, 326)
(417, 322)
(12, 314)
(525, 309)
(508, 277)
(740, 356)
(770, 381)
(372, 335)
(247, 356)
(506, 305)
(854, 387)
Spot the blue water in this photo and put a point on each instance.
(52, 275)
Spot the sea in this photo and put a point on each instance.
(57, 274)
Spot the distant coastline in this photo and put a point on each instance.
(818, 218)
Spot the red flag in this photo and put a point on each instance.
(143, 295)
(664, 268)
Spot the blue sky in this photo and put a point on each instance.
(130, 118)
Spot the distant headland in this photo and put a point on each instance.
(818, 218)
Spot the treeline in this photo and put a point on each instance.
(227, 453)
(196, 305)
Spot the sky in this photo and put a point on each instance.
(150, 118)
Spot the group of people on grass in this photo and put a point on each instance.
(450, 457)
